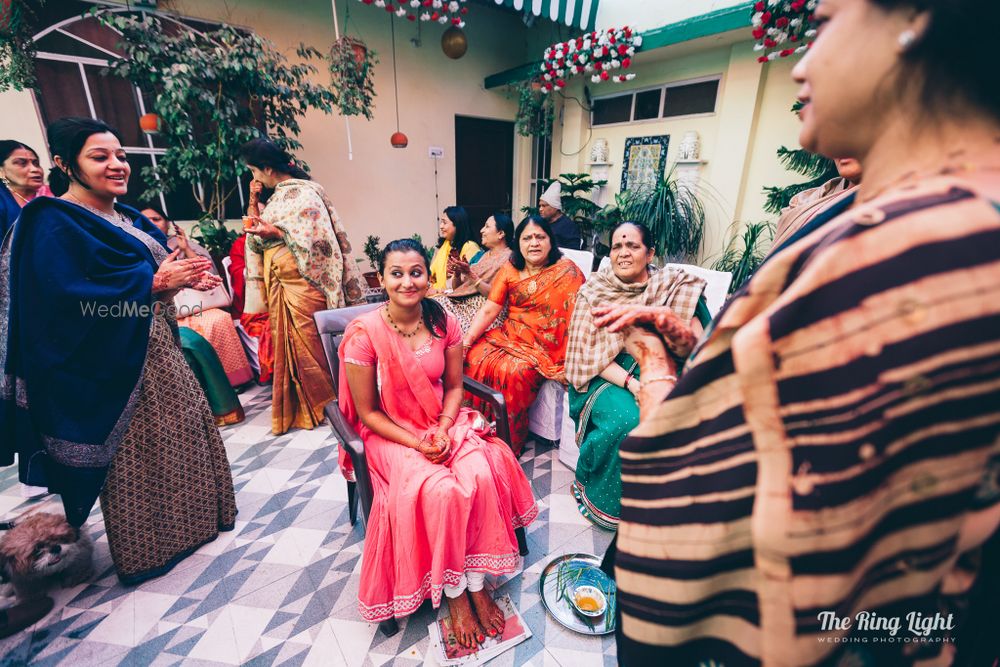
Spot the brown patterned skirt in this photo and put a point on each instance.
(169, 489)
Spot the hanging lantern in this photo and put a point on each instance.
(398, 140)
(453, 42)
(150, 123)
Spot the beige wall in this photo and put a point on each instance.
(776, 126)
(383, 190)
(738, 141)
(21, 122)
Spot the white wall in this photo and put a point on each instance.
(649, 14)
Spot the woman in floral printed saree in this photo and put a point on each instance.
(539, 287)
(298, 262)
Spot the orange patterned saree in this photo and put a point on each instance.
(530, 347)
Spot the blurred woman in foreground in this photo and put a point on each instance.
(833, 446)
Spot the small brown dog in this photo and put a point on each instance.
(41, 552)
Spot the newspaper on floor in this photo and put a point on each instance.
(448, 653)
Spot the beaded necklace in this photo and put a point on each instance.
(420, 324)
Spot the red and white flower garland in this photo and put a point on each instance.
(598, 54)
(782, 27)
(441, 11)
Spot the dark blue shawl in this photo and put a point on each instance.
(71, 377)
(9, 210)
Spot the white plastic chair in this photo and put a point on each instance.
(582, 258)
(226, 263)
(549, 413)
(717, 288)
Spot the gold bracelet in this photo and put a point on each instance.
(660, 378)
(443, 416)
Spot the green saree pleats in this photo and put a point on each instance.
(604, 415)
(207, 368)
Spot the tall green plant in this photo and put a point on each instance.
(18, 23)
(213, 91)
(745, 252)
(672, 211)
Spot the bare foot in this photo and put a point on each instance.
(467, 630)
(488, 612)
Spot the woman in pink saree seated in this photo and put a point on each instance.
(447, 495)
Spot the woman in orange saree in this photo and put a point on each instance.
(539, 288)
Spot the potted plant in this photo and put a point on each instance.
(535, 110)
(372, 249)
(673, 213)
(352, 64)
(743, 254)
(428, 250)
(216, 238)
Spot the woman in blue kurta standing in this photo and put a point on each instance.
(96, 398)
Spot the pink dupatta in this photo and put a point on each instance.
(452, 517)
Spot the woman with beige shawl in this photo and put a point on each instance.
(477, 276)
(604, 379)
(298, 262)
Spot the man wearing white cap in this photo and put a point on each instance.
(564, 229)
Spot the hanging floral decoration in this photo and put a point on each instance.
(783, 27)
(599, 54)
(441, 11)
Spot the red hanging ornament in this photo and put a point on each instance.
(398, 140)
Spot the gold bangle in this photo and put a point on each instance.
(660, 378)
(444, 416)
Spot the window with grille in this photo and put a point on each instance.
(684, 98)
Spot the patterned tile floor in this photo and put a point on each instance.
(281, 588)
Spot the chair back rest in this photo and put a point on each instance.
(716, 291)
(331, 325)
(226, 263)
(582, 258)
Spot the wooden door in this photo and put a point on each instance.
(484, 167)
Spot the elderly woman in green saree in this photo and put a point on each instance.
(604, 379)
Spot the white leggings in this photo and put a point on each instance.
(473, 581)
